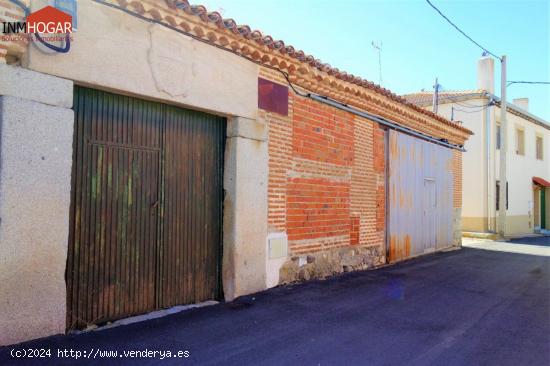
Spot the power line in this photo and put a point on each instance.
(453, 109)
(478, 110)
(460, 30)
(457, 99)
(527, 82)
(474, 106)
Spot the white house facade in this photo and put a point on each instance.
(527, 160)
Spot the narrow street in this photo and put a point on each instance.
(465, 307)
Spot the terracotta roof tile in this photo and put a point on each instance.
(279, 46)
(425, 98)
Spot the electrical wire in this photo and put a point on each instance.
(285, 75)
(485, 50)
(54, 47)
(39, 38)
(457, 100)
(461, 31)
(527, 82)
(195, 37)
(461, 103)
(22, 6)
(476, 107)
(476, 111)
(473, 106)
(305, 95)
(188, 34)
(316, 97)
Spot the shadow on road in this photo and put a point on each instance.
(466, 307)
(543, 241)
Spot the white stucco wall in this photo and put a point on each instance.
(479, 200)
(116, 51)
(36, 139)
(474, 192)
(520, 171)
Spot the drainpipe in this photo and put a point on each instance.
(383, 121)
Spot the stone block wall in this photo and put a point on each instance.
(36, 149)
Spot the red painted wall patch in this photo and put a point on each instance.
(272, 97)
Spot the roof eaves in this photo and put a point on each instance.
(458, 96)
(279, 46)
(522, 113)
(426, 98)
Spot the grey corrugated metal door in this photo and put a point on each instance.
(420, 196)
(146, 207)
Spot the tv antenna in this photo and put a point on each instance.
(378, 47)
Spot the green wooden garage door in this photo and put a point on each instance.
(146, 208)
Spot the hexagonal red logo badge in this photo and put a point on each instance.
(49, 20)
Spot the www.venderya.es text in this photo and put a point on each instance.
(97, 353)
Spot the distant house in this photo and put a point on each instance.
(528, 158)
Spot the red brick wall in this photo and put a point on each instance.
(322, 133)
(380, 170)
(317, 208)
(280, 163)
(326, 176)
(368, 180)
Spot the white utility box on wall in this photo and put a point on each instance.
(277, 253)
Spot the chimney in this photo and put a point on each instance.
(486, 74)
(523, 103)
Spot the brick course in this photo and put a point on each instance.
(321, 133)
(326, 176)
(317, 208)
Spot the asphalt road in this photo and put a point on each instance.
(467, 307)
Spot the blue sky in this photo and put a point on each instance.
(417, 44)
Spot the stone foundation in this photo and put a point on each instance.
(457, 227)
(327, 263)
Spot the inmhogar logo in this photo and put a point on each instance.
(48, 20)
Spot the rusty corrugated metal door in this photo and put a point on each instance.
(131, 204)
(420, 196)
(193, 170)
